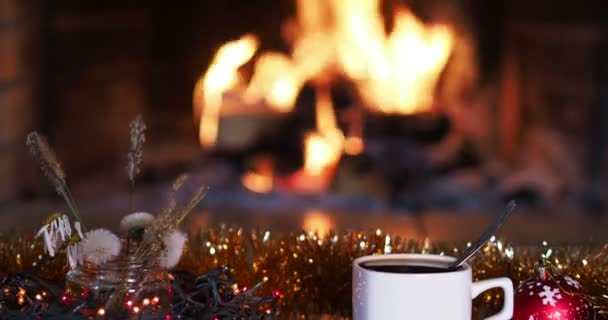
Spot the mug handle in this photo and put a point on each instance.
(507, 286)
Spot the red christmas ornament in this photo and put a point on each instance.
(548, 296)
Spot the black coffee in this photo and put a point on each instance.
(396, 268)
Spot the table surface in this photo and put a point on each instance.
(523, 227)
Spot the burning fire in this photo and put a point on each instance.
(393, 72)
(257, 182)
(221, 76)
(323, 148)
(260, 180)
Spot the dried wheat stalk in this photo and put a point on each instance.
(135, 155)
(51, 167)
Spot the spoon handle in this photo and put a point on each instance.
(470, 251)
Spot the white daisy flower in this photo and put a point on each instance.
(72, 251)
(99, 246)
(174, 247)
(78, 229)
(56, 230)
(136, 220)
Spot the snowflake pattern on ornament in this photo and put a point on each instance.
(550, 295)
(538, 299)
(572, 282)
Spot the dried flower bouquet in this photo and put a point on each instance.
(145, 238)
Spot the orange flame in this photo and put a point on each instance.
(353, 145)
(394, 71)
(260, 180)
(221, 76)
(257, 182)
(323, 148)
(275, 80)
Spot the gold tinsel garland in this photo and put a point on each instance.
(312, 274)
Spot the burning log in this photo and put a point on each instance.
(255, 103)
(423, 128)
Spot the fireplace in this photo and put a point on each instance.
(298, 105)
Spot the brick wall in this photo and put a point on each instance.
(554, 77)
(16, 92)
(102, 62)
(97, 72)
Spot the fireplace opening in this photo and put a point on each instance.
(300, 105)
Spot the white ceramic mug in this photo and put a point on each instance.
(447, 295)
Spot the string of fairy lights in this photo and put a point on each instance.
(302, 273)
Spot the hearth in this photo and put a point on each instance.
(293, 105)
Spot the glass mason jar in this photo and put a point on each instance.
(119, 289)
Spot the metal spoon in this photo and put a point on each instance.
(470, 251)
